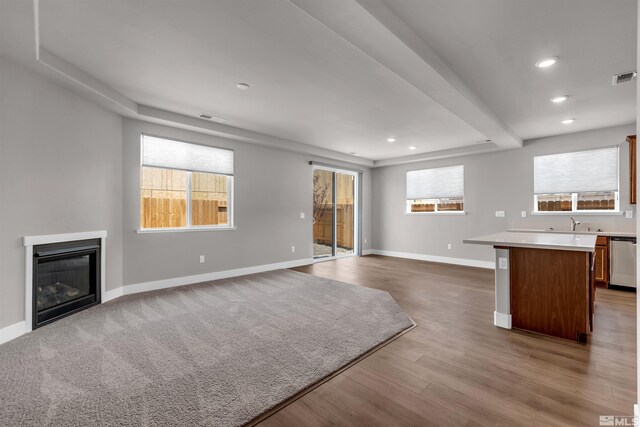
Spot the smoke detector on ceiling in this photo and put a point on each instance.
(624, 77)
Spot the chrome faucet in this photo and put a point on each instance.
(573, 224)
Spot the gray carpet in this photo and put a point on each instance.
(217, 353)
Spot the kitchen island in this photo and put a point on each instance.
(544, 282)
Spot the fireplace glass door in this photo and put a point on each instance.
(65, 280)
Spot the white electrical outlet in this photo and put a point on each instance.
(449, 246)
(502, 263)
(365, 240)
(301, 215)
(499, 214)
(523, 214)
(628, 214)
(201, 259)
(293, 248)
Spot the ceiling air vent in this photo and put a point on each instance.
(208, 116)
(624, 77)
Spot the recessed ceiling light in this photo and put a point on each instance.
(568, 121)
(413, 147)
(391, 140)
(559, 99)
(546, 62)
(243, 86)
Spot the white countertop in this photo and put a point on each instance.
(592, 232)
(541, 240)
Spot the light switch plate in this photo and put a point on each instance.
(628, 214)
(499, 214)
(301, 215)
(502, 263)
(523, 214)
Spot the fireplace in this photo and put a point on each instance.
(66, 279)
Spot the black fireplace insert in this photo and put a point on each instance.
(66, 279)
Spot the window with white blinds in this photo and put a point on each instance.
(436, 190)
(184, 186)
(577, 181)
(170, 154)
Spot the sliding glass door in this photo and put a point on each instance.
(345, 213)
(334, 213)
(323, 219)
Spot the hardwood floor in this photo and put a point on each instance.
(457, 368)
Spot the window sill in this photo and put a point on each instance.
(453, 213)
(579, 213)
(182, 230)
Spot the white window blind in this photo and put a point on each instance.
(438, 183)
(581, 171)
(166, 153)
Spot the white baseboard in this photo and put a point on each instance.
(188, 280)
(112, 294)
(12, 331)
(502, 320)
(367, 252)
(433, 258)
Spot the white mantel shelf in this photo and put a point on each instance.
(67, 237)
(556, 241)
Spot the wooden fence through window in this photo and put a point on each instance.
(159, 212)
(323, 229)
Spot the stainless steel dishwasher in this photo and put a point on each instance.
(623, 263)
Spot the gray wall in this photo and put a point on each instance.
(272, 187)
(68, 165)
(60, 172)
(493, 181)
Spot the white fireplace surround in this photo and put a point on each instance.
(30, 241)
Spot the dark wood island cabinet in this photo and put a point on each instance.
(545, 282)
(552, 291)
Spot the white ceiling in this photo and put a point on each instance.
(345, 74)
(492, 45)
